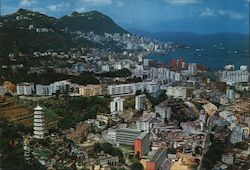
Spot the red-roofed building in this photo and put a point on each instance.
(142, 144)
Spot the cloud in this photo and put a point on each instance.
(183, 2)
(58, 7)
(97, 2)
(209, 12)
(80, 9)
(119, 3)
(25, 3)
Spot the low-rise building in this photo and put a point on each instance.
(178, 92)
(234, 76)
(60, 86)
(126, 136)
(2, 91)
(122, 89)
(43, 90)
(143, 125)
(236, 135)
(90, 90)
(228, 159)
(164, 111)
(157, 159)
(25, 88)
(79, 134)
(105, 68)
(164, 74)
(104, 118)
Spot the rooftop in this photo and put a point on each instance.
(158, 154)
(142, 135)
(38, 108)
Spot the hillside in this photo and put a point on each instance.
(24, 18)
(91, 21)
(20, 33)
(21, 112)
(28, 31)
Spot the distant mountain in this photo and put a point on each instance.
(229, 40)
(91, 21)
(18, 33)
(140, 32)
(24, 18)
(28, 31)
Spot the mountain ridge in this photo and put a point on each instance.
(140, 31)
(84, 22)
(27, 31)
(236, 41)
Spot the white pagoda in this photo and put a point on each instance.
(39, 128)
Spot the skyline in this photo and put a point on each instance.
(199, 16)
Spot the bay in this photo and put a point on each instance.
(213, 58)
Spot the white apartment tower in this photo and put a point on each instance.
(192, 68)
(25, 88)
(117, 105)
(39, 128)
(234, 76)
(140, 102)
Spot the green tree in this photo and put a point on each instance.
(136, 166)
(107, 148)
(97, 147)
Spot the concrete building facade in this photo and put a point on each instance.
(117, 105)
(192, 68)
(90, 90)
(233, 76)
(142, 144)
(140, 102)
(25, 88)
(157, 159)
(43, 90)
(123, 89)
(126, 136)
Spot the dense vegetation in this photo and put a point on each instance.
(136, 166)
(75, 109)
(108, 149)
(214, 154)
(155, 100)
(27, 41)
(91, 21)
(119, 73)
(21, 75)
(15, 35)
(11, 148)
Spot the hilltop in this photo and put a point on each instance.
(27, 31)
(93, 21)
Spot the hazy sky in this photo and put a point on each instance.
(201, 16)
